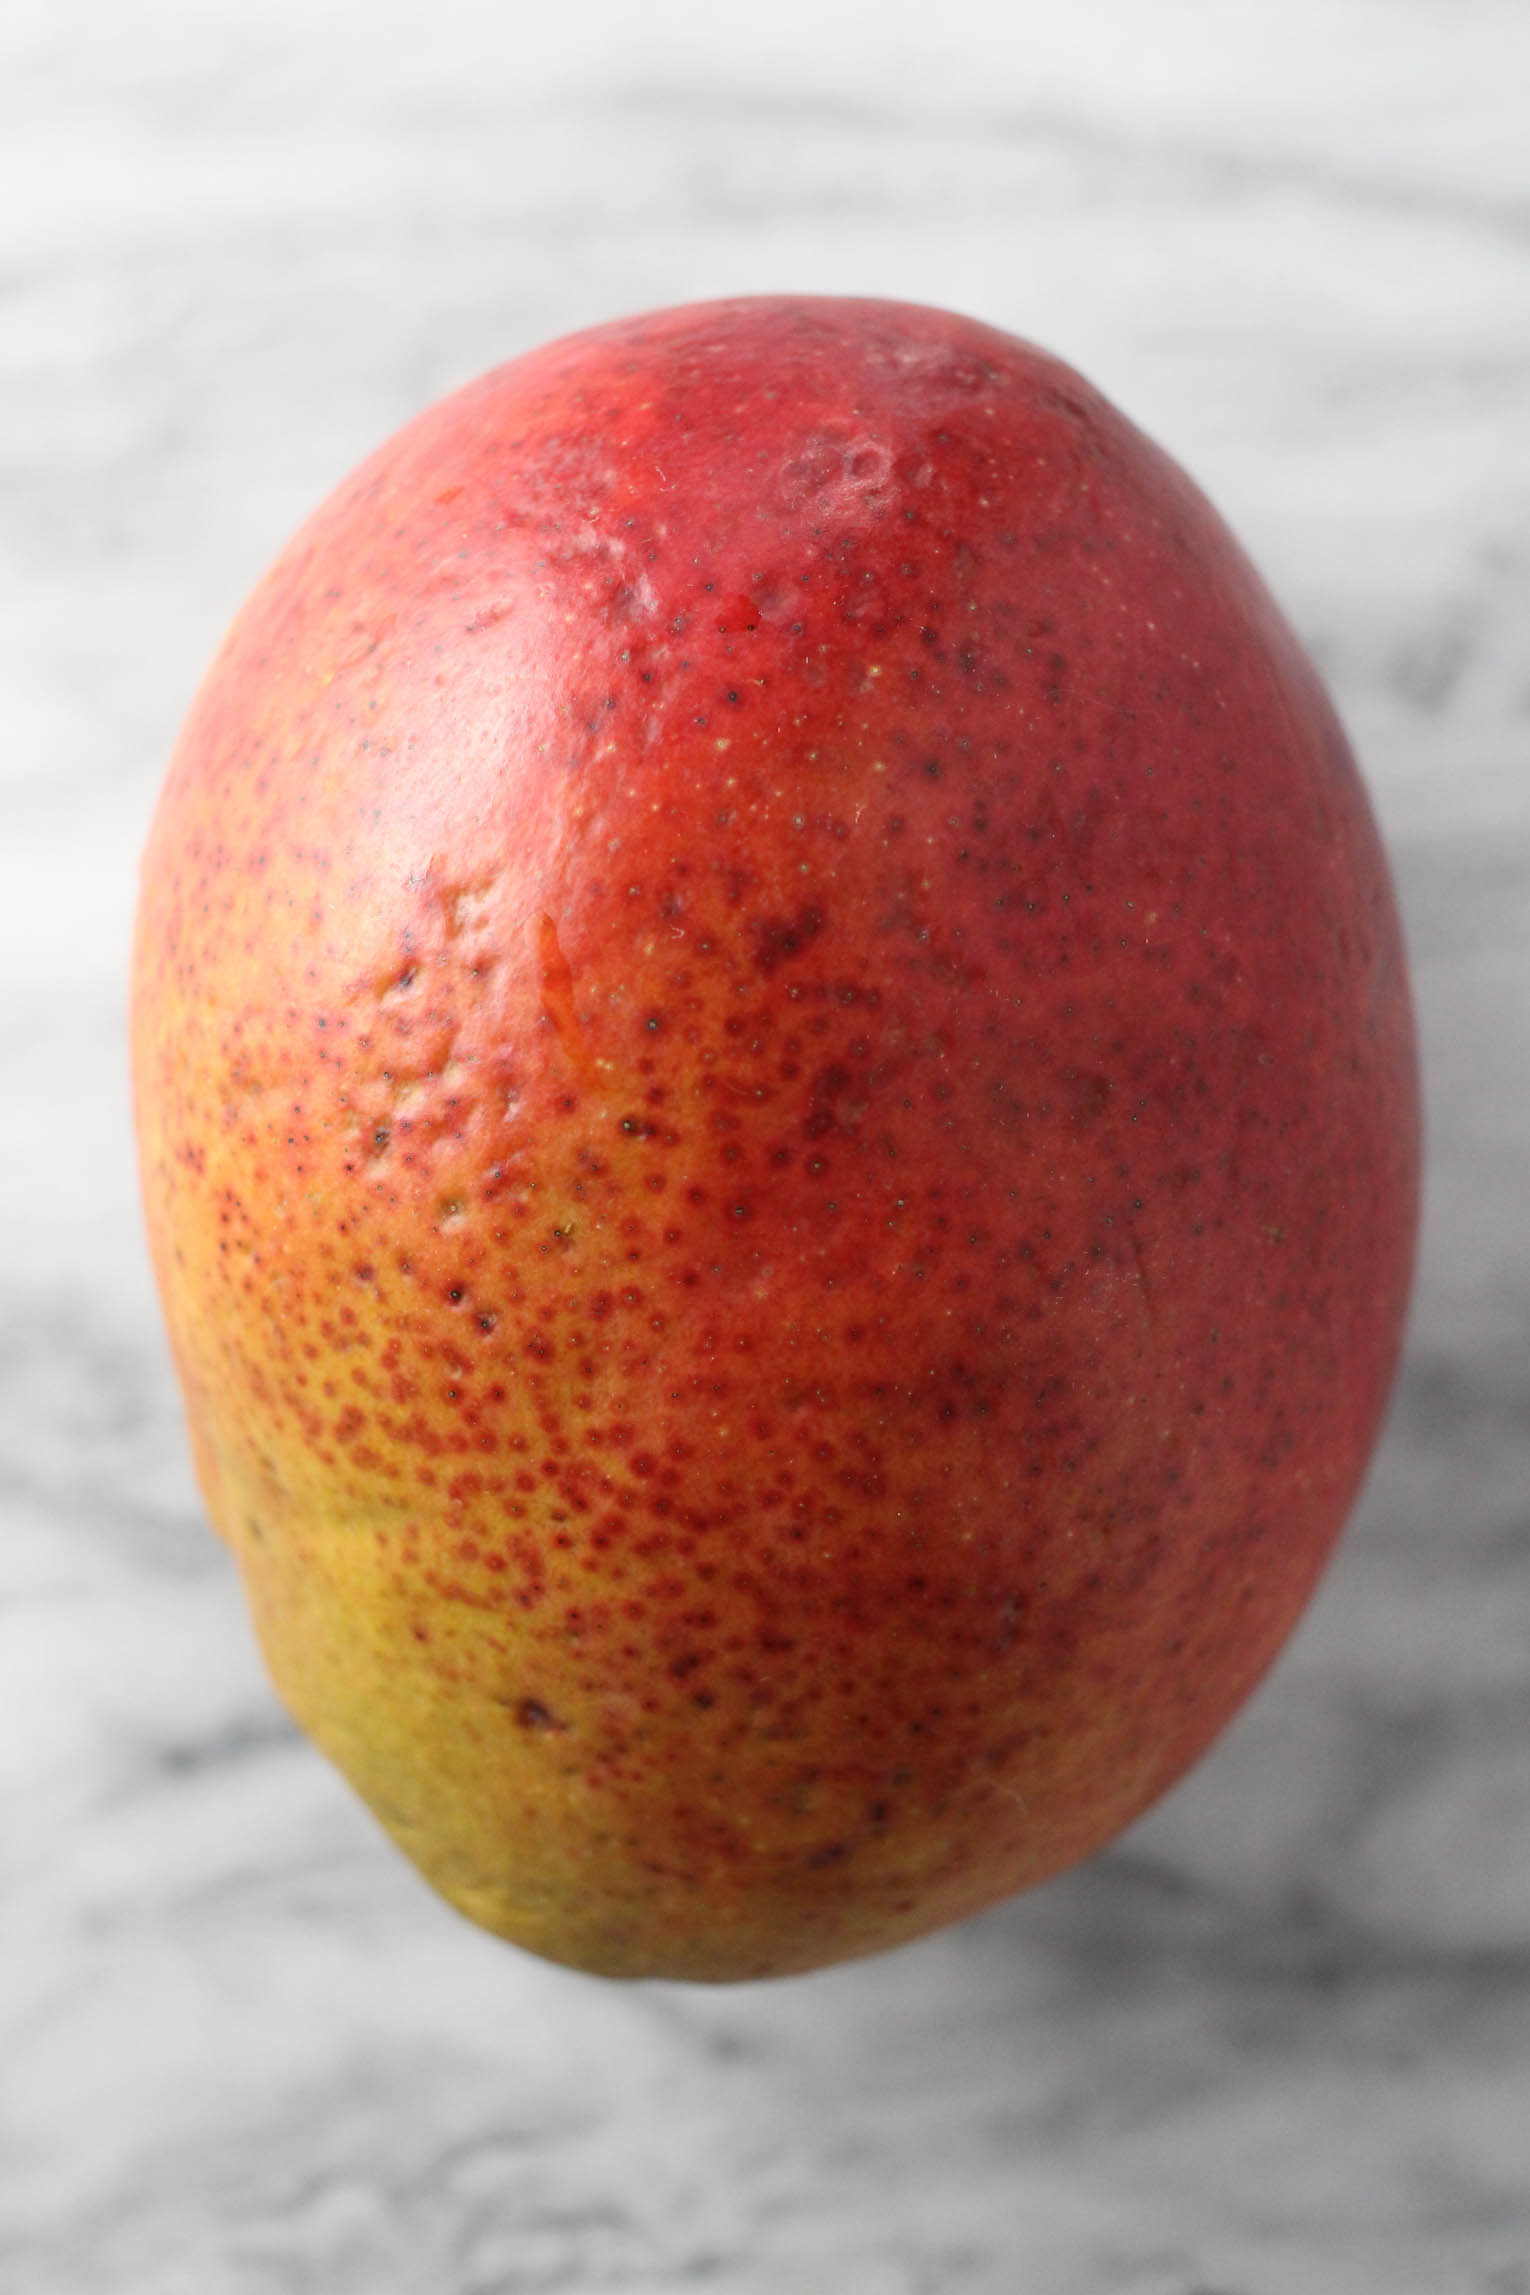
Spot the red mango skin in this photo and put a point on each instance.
(780, 1130)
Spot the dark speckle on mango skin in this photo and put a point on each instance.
(779, 1126)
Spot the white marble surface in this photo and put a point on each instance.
(1277, 2042)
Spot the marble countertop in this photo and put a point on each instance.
(1277, 2040)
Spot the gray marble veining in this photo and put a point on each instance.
(1277, 2042)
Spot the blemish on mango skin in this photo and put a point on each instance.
(797, 1255)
